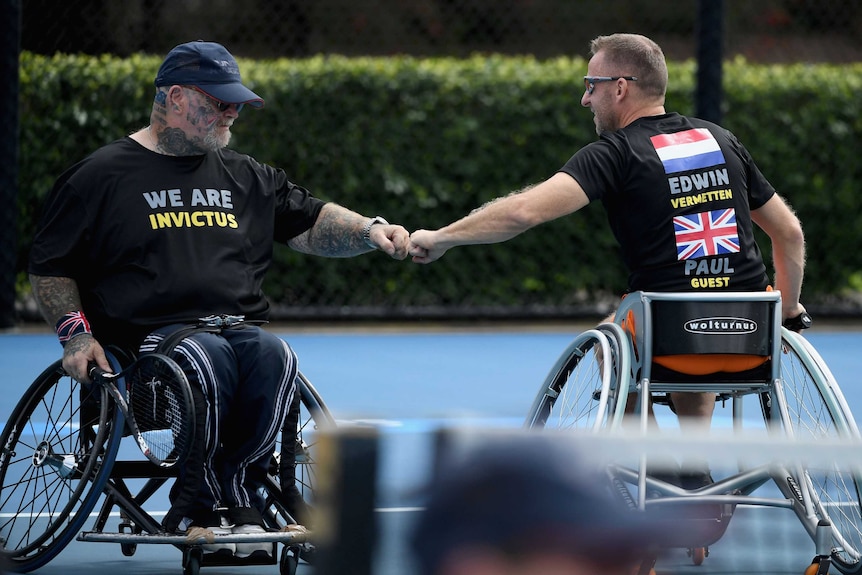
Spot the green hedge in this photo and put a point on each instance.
(423, 142)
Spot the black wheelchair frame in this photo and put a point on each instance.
(59, 457)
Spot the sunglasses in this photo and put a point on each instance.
(222, 107)
(591, 81)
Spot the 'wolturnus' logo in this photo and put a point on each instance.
(721, 325)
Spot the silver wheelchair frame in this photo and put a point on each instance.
(605, 380)
(59, 458)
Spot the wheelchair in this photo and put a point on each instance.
(61, 457)
(608, 377)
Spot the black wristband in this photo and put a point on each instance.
(798, 323)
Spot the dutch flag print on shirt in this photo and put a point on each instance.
(687, 150)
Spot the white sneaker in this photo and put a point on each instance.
(244, 550)
(210, 534)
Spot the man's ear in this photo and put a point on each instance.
(176, 99)
(622, 89)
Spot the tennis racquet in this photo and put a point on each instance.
(154, 395)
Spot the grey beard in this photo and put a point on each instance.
(212, 141)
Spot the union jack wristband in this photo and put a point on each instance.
(71, 325)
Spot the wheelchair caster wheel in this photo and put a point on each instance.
(289, 561)
(192, 561)
(308, 553)
(819, 566)
(128, 549)
(698, 554)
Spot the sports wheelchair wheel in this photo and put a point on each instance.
(284, 497)
(582, 390)
(57, 450)
(294, 462)
(289, 488)
(816, 410)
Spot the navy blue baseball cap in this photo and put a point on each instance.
(209, 67)
(526, 493)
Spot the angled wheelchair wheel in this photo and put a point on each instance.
(289, 488)
(313, 417)
(296, 451)
(815, 406)
(294, 463)
(58, 447)
(817, 410)
(582, 389)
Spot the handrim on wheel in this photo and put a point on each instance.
(580, 391)
(816, 410)
(58, 446)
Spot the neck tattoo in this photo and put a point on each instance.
(153, 140)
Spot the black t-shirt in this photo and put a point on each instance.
(153, 239)
(678, 193)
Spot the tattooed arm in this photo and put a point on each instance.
(338, 233)
(56, 297)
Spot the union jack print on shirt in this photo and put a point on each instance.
(706, 234)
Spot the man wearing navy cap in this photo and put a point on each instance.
(530, 505)
(209, 67)
(157, 230)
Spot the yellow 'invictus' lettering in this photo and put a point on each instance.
(199, 219)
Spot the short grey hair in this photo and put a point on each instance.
(634, 55)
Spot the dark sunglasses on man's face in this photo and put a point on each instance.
(591, 81)
(222, 107)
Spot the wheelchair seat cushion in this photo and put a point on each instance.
(710, 363)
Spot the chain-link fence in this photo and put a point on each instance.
(9, 38)
(766, 31)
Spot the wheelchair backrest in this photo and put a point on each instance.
(701, 324)
(684, 327)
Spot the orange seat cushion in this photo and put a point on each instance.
(707, 363)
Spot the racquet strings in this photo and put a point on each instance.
(159, 404)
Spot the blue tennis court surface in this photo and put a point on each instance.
(406, 384)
